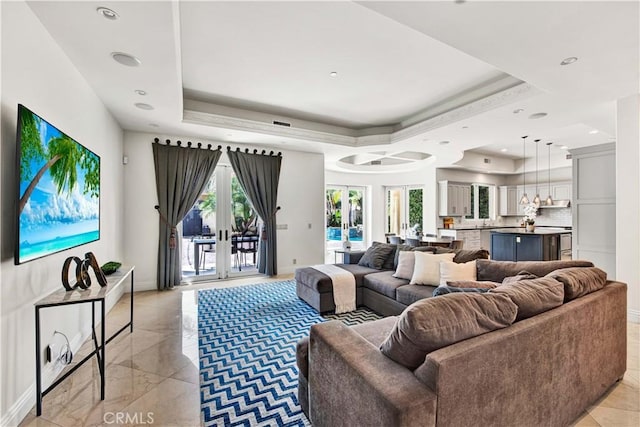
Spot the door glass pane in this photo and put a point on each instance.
(334, 215)
(355, 221)
(244, 230)
(198, 234)
(415, 210)
(394, 211)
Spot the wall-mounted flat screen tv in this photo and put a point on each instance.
(59, 190)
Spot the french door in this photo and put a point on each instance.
(404, 210)
(345, 219)
(221, 232)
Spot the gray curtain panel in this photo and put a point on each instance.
(259, 174)
(181, 175)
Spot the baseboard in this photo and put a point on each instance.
(50, 371)
(143, 286)
(633, 316)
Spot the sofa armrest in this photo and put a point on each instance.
(352, 257)
(352, 383)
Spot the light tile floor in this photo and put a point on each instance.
(152, 373)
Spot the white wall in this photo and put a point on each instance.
(628, 200)
(36, 73)
(300, 196)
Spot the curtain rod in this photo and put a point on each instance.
(189, 144)
(255, 151)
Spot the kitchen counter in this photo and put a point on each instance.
(538, 230)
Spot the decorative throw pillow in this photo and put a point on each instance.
(426, 270)
(406, 261)
(533, 296)
(375, 255)
(450, 270)
(433, 323)
(399, 248)
(444, 290)
(466, 255)
(389, 261)
(483, 284)
(579, 281)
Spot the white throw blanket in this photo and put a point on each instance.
(344, 286)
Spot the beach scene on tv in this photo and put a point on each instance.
(59, 204)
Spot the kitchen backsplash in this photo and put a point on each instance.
(560, 217)
(556, 217)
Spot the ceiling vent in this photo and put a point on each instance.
(568, 156)
(278, 123)
(487, 161)
(376, 162)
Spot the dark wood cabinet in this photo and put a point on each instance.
(524, 247)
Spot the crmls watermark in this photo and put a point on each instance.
(128, 418)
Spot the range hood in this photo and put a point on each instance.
(557, 204)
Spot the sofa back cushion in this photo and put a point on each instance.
(433, 323)
(376, 255)
(579, 281)
(496, 271)
(466, 255)
(533, 296)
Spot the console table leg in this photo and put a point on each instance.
(104, 348)
(38, 368)
(131, 326)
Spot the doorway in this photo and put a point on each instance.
(345, 219)
(221, 231)
(404, 210)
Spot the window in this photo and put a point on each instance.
(404, 210)
(482, 196)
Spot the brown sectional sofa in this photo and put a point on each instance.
(543, 370)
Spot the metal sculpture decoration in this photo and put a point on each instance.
(83, 279)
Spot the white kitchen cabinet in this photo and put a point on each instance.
(471, 239)
(508, 203)
(561, 190)
(454, 198)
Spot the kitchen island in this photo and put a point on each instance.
(517, 244)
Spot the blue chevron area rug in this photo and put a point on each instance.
(247, 338)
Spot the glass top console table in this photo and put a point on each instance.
(93, 294)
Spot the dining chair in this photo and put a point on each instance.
(456, 244)
(207, 249)
(395, 240)
(412, 242)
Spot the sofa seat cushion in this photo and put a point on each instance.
(496, 271)
(578, 282)
(321, 283)
(375, 332)
(409, 294)
(434, 323)
(384, 283)
(533, 296)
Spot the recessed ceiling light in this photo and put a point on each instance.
(143, 106)
(569, 60)
(153, 125)
(333, 74)
(593, 132)
(107, 13)
(443, 142)
(504, 150)
(125, 59)
(465, 127)
(518, 111)
(140, 92)
(537, 116)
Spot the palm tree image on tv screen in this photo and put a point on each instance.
(59, 196)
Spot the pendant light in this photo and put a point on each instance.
(524, 200)
(536, 199)
(549, 200)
